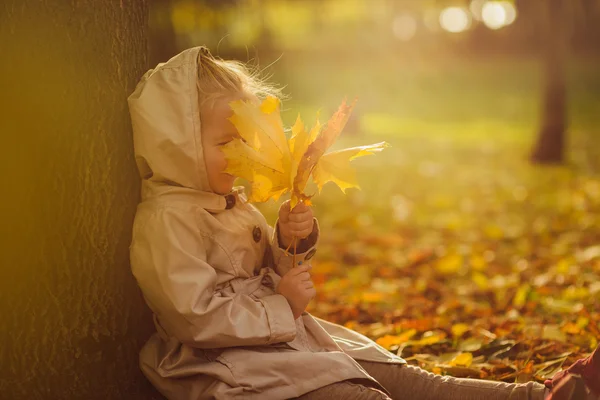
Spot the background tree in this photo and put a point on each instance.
(557, 17)
(162, 40)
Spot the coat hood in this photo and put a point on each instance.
(167, 130)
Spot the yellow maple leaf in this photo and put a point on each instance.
(335, 166)
(317, 148)
(389, 340)
(459, 329)
(276, 165)
(462, 360)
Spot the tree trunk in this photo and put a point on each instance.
(162, 40)
(550, 145)
(73, 318)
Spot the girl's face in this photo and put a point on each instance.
(217, 130)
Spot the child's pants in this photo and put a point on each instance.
(409, 382)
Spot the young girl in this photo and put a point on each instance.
(229, 306)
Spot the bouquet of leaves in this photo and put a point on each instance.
(275, 164)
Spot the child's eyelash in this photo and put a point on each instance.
(224, 143)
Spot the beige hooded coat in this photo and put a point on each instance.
(208, 264)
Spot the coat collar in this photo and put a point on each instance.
(211, 202)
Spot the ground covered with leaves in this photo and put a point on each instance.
(457, 254)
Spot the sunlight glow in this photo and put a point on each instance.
(455, 19)
(404, 27)
(476, 8)
(511, 11)
(497, 14)
(494, 15)
(431, 19)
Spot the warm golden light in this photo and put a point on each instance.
(511, 11)
(404, 27)
(497, 14)
(431, 19)
(476, 8)
(455, 19)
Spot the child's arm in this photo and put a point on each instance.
(168, 256)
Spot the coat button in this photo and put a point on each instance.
(230, 200)
(310, 254)
(256, 234)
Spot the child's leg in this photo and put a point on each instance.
(409, 382)
(346, 390)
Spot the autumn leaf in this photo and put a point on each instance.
(335, 166)
(390, 340)
(322, 142)
(459, 329)
(428, 340)
(261, 127)
(276, 165)
(301, 139)
(462, 360)
(261, 154)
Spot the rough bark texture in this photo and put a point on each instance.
(73, 318)
(550, 145)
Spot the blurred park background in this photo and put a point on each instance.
(473, 248)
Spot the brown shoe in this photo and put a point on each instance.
(587, 368)
(571, 387)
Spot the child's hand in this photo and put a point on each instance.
(298, 289)
(295, 223)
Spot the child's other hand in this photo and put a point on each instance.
(298, 289)
(294, 223)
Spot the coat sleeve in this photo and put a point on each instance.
(168, 259)
(305, 249)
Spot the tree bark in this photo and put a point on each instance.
(73, 318)
(550, 144)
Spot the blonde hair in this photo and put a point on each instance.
(218, 78)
